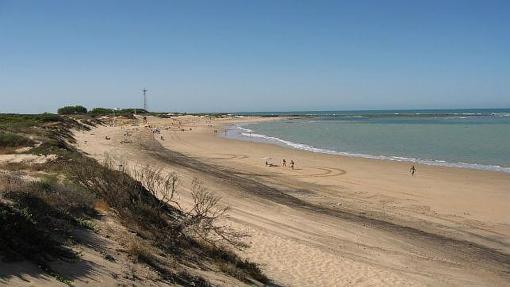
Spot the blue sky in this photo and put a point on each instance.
(254, 55)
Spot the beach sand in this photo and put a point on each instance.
(333, 220)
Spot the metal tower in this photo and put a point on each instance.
(145, 99)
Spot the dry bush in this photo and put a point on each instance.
(143, 251)
(161, 185)
(196, 233)
(203, 219)
(115, 187)
(140, 250)
(136, 206)
(231, 264)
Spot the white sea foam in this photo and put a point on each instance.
(245, 129)
(249, 134)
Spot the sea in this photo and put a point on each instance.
(469, 138)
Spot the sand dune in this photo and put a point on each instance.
(335, 221)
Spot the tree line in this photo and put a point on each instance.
(80, 110)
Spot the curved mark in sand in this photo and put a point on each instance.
(326, 172)
(229, 156)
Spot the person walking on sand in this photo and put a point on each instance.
(292, 164)
(412, 170)
(284, 163)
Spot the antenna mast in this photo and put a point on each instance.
(145, 99)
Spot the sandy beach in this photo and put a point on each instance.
(332, 220)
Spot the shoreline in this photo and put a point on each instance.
(379, 167)
(249, 135)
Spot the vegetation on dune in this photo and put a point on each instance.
(8, 139)
(120, 112)
(37, 219)
(23, 122)
(145, 202)
(101, 111)
(22, 237)
(72, 110)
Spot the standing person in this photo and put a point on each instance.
(292, 164)
(412, 170)
(284, 163)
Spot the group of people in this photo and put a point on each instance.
(412, 170)
(284, 163)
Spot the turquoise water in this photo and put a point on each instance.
(465, 138)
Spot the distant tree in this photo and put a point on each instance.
(107, 111)
(101, 111)
(132, 111)
(71, 110)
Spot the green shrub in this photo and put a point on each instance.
(21, 122)
(72, 110)
(101, 111)
(8, 139)
(22, 238)
(49, 198)
(108, 111)
(132, 111)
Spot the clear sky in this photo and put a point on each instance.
(245, 55)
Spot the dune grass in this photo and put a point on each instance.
(17, 122)
(12, 140)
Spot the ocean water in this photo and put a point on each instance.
(477, 138)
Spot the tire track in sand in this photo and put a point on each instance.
(326, 172)
(227, 156)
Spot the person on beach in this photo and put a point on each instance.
(412, 170)
(284, 163)
(292, 164)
